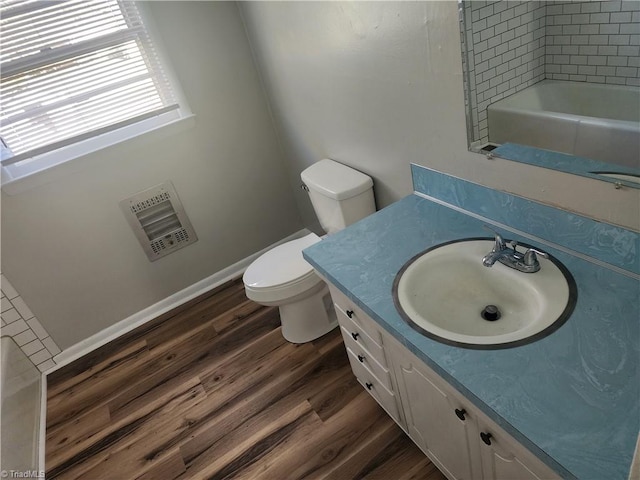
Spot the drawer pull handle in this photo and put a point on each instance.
(370, 386)
(350, 313)
(486, 437)
(361, 358)
(355, 335)
(460, 413)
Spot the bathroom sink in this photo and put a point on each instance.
(446, 293)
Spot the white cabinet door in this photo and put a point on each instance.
(432, 421)
(505, 459)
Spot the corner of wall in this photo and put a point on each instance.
(22, 325)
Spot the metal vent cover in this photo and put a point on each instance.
(158, 220)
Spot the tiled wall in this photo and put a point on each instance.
(511, 45)
(505, 44)
(597, 42)
(20, 323)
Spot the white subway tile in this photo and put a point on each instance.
(599, 18)
(571, 8)
(610, 6)
(24, 337)
(617, 61)
(626, 71)
(619, 39)
(5, 304)
(40, 357)
(632, 6)
(615, 81)
(586, 70)
(7, 288)
(589, 29)
(596, 60)
(606, 71)
(610, 29)
(631, 51)
(13, 329)
(51, 346)
(22, 308)
(32, 347)
(37, 328)
(630, 28)
(44, 366)
(11, 315)
(621, 17)
(607, 50)
(590, 7)
(598, 39)
(580, 19)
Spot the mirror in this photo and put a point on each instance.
(555, 84)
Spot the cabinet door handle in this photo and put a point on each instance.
(460, 413)
(350, 313)
(355, 335)
(369, 385)
(361, 358)
(486, 437)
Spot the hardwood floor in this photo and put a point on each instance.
(212, 390)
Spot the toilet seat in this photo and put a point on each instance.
(281, 273)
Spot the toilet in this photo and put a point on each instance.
(280, 277)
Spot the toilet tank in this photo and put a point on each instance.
(339, 194)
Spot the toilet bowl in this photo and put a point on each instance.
(282, 278)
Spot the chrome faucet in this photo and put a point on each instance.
(526, 262)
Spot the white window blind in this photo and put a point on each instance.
(72, 70)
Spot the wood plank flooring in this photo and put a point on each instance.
(212, 390)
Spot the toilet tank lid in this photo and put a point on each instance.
(335, 180)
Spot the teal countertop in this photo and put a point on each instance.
(572, 398)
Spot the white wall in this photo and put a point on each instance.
(67, 246)
(378, 85)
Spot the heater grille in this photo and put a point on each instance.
(159, 220)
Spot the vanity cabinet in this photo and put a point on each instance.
(462, 442)
(363, 341)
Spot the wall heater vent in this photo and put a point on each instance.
(159, 220)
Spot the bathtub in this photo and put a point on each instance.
(590, 120)
(22, 401)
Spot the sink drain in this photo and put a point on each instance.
(490, 313)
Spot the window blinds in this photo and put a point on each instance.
(74, 69)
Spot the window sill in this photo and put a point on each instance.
(67, 161)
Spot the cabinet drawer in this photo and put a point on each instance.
(367, 358)
(351, 330)
(384, 397)
(355, 314)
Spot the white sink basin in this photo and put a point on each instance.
(444, 291)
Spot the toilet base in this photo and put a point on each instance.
(308, 319)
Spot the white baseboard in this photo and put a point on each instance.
(116, 330)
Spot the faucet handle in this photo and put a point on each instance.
(499, 241)
(530, 256)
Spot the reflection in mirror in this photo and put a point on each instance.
(560, 76)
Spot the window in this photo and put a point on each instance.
(73, 71)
